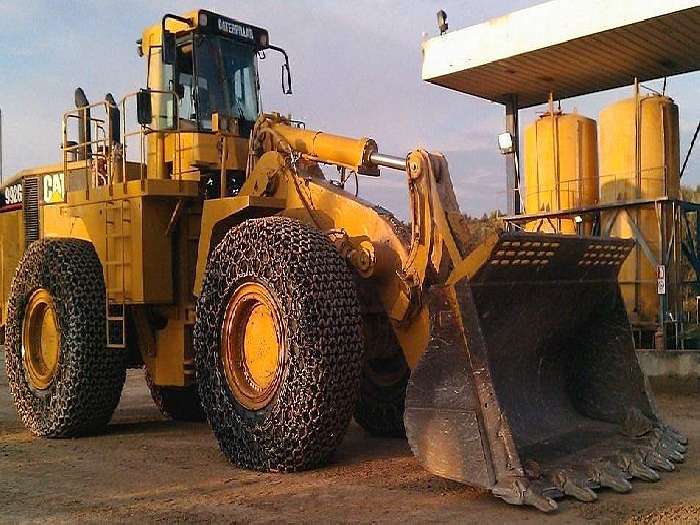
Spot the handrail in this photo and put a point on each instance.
(578, 192)
(144, 130)
(102, 151)
(103, 138)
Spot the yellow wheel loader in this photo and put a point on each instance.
(206, 244)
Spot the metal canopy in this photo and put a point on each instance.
(568, 47)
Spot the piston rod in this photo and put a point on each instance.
(388, 161)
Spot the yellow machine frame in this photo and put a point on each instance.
(153, 232)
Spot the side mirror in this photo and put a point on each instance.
(286, 71)
(144, 110)
(286, 79)
(169, 50)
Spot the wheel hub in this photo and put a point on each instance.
(253, 352)
(41, 343)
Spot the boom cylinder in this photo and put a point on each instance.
(360, 155)
(348, 152)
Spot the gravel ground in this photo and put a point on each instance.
(152, 470)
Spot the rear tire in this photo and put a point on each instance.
(75, 389)
(385, 374)
(293, 279)
(177, 403)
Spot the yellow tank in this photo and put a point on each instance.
(561, 169)
(639, 160)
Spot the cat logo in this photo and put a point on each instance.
(54, 189)
(232, 28)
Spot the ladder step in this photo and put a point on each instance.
(118, 236)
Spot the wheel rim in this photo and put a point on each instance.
(253, 352)
(41, 342)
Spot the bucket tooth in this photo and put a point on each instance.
(656, 461)
(572, 483)
(521, 492)
(608, 475)
(632, 463)
(682, 439)
(665, 446)
(669, 440)
(667, 451)
(639, 470)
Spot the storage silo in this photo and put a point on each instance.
(640, 161)
(561, 169)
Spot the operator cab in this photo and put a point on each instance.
(204, 90)
(214, 74)
(210, 62)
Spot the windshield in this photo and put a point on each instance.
(226, 80)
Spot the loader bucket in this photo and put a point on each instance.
(530, 386)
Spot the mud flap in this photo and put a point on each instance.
(530, 386)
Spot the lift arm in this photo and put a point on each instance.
(437, 236)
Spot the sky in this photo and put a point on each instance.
(356, 70)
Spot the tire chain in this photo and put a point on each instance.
(400, 228)
(89, 379)
(315, 292)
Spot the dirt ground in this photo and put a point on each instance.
(153, 470)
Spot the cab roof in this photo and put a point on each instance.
(209, 22)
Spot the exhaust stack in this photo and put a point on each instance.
(84, 133)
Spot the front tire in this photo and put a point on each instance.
(64, 380)
(279, 345)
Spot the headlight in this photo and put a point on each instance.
(505, 143)
(203, 19)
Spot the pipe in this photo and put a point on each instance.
(388, 161)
